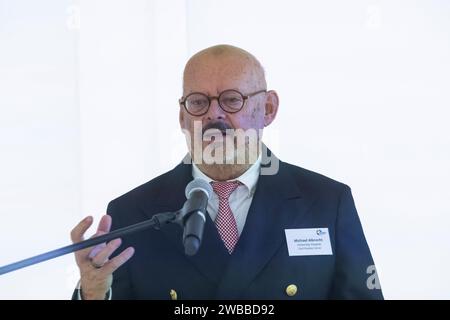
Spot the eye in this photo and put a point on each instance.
(232, 100)
(197, 102)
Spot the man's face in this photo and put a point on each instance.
(213, 75)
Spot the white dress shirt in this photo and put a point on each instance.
(240, 199)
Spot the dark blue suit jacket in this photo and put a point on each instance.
(260, 267)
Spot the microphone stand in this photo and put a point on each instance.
(155, 222)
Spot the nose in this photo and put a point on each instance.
(215, 111)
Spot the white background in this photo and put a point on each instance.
(88, 102)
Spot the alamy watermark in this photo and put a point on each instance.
(372, 281)
(219, 145)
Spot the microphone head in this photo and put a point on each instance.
(198, 184)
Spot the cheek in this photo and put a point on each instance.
(193, 125)
(256, 114)
(186, 122)
(257, 117)
(251, 119)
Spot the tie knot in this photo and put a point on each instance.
(225, 189)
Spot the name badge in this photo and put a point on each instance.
(308, 242)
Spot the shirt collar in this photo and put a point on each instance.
(249, 178)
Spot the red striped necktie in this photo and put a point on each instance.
(225, 221)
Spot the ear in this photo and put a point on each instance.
(181, 117)
(271, 107)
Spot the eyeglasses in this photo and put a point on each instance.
(231, 101)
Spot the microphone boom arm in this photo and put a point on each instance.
(155, 222)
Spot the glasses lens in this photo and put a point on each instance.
(231, 101)
(197, 103)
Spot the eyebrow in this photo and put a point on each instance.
(217, 94)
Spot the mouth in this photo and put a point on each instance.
(215, 128)
(212, 134)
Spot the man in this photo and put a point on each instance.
(273, 230)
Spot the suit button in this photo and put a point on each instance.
(291, 290)
(173, 294)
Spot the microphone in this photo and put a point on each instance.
(193, 218)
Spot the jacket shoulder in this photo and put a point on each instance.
(313, 181)
(148, 190)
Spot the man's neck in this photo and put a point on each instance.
(223, 172)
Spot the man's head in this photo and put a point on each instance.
(219, 68)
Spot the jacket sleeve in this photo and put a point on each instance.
(355, 275)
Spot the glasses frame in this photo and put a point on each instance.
(182, 100)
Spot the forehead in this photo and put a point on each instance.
(212, 75)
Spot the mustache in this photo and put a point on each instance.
(219, 125)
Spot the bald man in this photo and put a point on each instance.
(273, 230)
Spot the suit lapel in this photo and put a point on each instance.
(276, 203)
(212, 256)
(169, 197)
